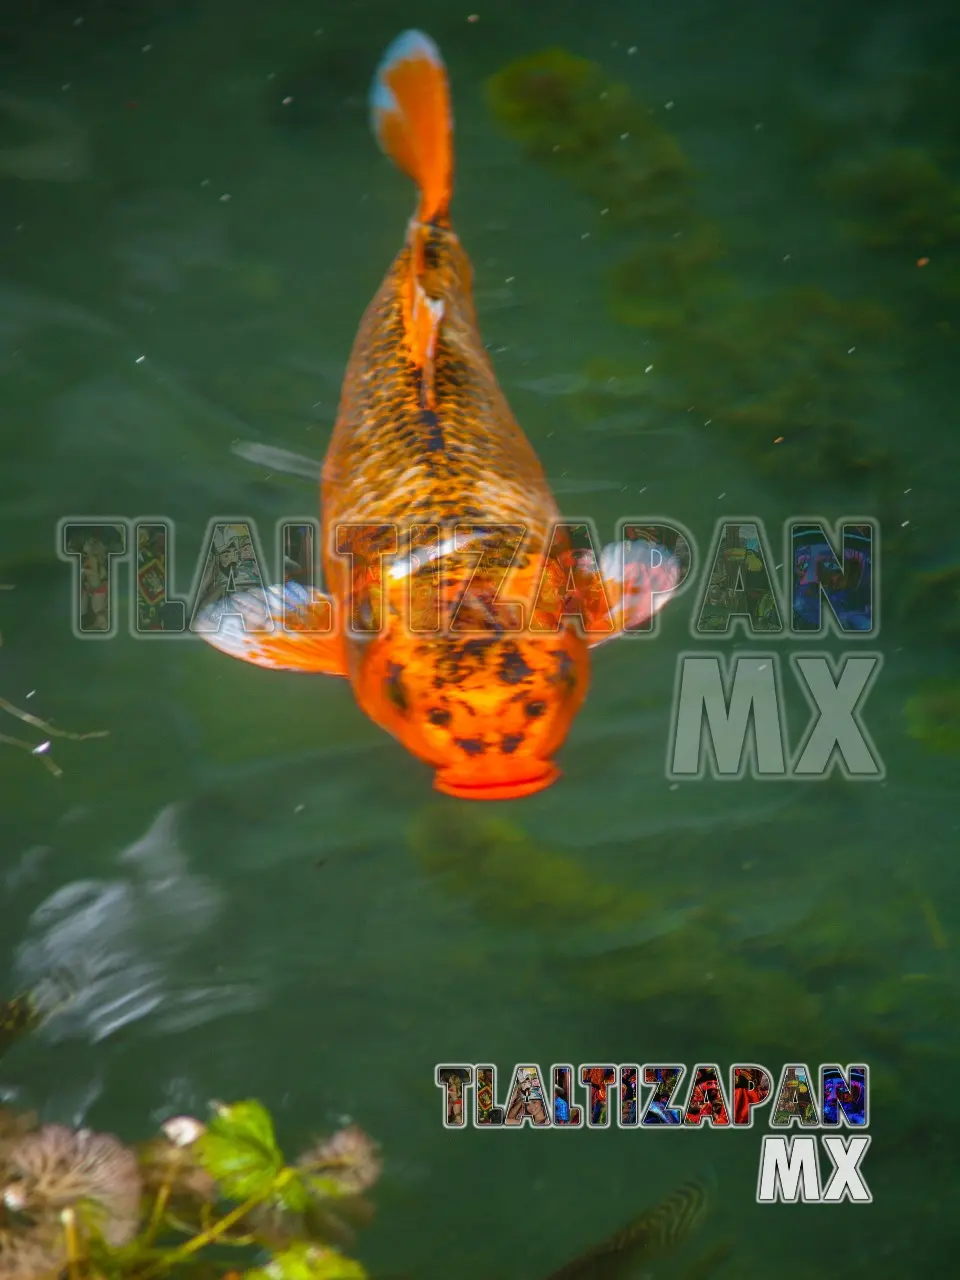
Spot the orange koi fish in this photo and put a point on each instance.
(471, 645)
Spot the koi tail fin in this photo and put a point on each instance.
(412, 118)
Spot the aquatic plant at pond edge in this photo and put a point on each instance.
(84, 1203)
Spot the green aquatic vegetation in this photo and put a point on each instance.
(707, 979)
(933, 717)
(540, 98)
(509, 877)
(902, 200)
(566, 112)
(773, 375)
(740, 958)
(931, 601)
(213, 1199)
(770, 1009)
(665, 284)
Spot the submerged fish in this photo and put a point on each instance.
(425, 441)
(655, 1233)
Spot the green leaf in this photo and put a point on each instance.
(239, 1150)
(309, 1262)
(291, 1192)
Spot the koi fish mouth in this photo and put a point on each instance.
(470, 786)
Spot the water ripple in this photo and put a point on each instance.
(120, 939)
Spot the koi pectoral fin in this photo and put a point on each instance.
(282, 628)
(639, 579)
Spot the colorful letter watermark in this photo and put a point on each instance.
(590, 1096)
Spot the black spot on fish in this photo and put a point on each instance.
(510, 743)
(393, 687)
(513, 668)
(439, 716)
(434, 440)
(536, 709)
(472, 746)
(478, 648)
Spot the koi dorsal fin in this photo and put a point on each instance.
(423, 316)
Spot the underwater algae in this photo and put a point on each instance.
(933, 717)
(931, 602)
(565, 112)
(508, 877)
(716, 941)
(902, 199)
(771, 373)
(903, 205)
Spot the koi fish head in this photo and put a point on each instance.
(487, 711)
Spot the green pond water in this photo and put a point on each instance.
(263, 892)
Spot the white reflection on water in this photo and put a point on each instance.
(119, 940)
